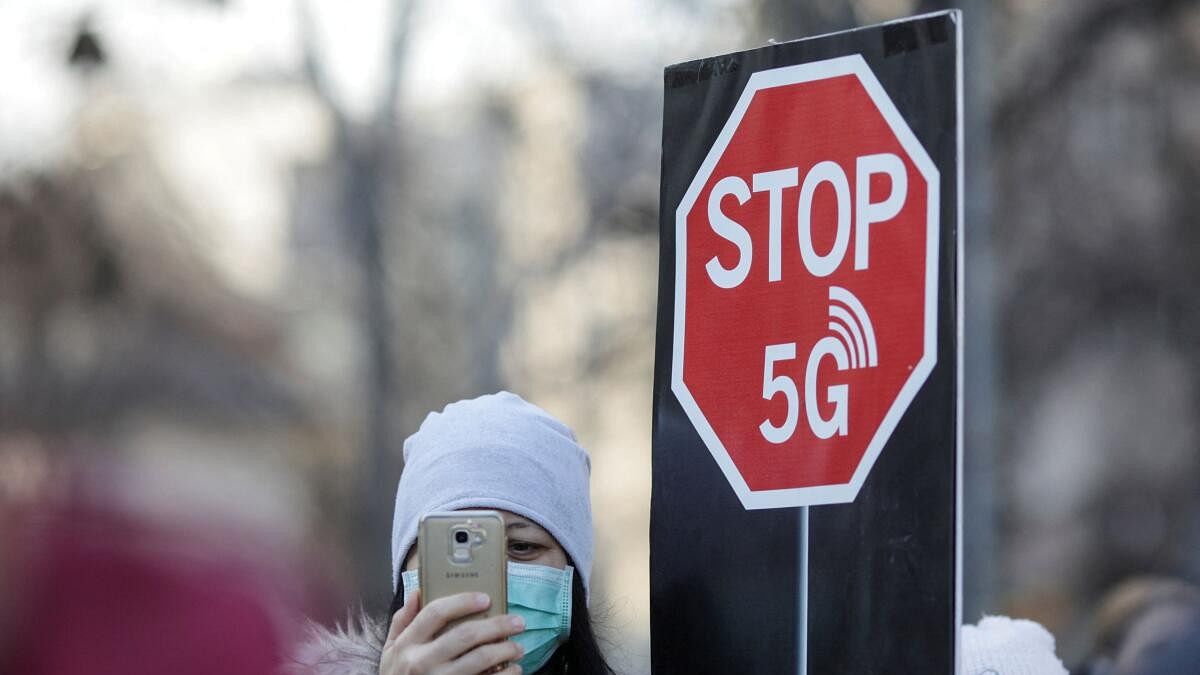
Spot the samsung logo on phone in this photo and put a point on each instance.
(462, 575)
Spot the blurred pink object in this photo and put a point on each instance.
(103, 592)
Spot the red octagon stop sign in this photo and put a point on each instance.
(805, 284)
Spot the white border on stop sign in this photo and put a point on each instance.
(777, 77)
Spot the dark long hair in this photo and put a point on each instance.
(579, 655)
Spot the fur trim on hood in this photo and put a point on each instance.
(350, 650)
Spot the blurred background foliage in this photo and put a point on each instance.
(245, 246)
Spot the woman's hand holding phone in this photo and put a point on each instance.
(417, 645)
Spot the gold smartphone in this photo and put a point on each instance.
(464, 551)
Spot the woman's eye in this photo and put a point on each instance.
(522, 548)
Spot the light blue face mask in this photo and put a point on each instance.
(539, 594)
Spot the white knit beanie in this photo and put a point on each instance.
(1003, 646)
(498, 452)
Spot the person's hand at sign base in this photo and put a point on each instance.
(417, 645)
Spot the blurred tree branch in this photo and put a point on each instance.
(783, 20)
(367, 157)
(1066, 45)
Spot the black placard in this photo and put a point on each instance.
(873, 588)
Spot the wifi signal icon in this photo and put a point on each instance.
(848, 318)
(852, 346)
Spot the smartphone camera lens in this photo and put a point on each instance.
(461, 537)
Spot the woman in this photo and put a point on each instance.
(496, 452)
